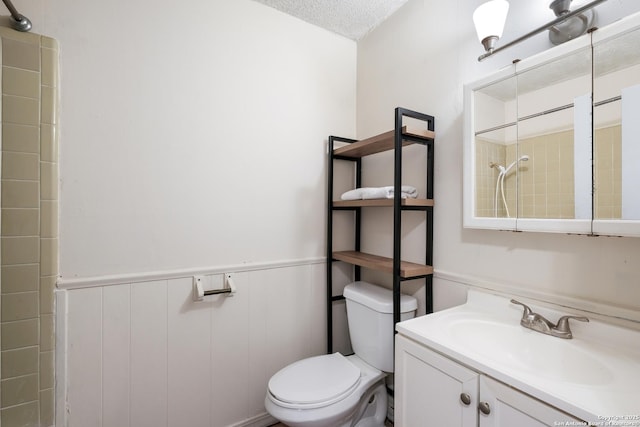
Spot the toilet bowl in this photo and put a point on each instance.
(330, 390)
(337, 391)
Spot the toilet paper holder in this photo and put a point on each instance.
(198, 288)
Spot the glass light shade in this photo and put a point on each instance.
(489, 18)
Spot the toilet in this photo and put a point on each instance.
(344, 391)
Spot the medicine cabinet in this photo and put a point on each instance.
(551, 142)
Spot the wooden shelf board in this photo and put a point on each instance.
(375, 262)
(383, 142)
(380, 203)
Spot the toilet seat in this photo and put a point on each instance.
(315, 382)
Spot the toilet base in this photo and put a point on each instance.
(375, 411)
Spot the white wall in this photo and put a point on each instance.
(192, 137)
(193, 133)
(414, 61)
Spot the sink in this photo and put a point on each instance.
(523, 349)
(594, 375)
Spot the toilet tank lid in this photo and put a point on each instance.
(377, 298)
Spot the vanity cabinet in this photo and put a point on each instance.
(433, 390)
(551, 142)
(428, 388)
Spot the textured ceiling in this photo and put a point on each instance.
(350, 18)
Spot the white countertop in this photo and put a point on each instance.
(595, 376)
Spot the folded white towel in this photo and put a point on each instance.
(408, 192)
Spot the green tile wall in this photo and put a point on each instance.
(28, 228)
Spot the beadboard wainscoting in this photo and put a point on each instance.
(145, 354)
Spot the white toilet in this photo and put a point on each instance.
(338, 391)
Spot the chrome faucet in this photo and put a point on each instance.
(538, 323)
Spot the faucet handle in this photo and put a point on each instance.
(563, 323)
(527, 311)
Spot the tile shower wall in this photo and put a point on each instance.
(488, 152)
(546, 184)
(145, 354)
(608, 173)
(29, 228)
(546, 181)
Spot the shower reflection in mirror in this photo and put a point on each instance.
(502, 174)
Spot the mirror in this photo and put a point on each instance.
(616, 142)
(495, 130)
(551, 142)
(553, 152)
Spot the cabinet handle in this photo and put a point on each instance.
(484, 408)
(465, 398)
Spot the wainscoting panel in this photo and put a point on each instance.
(230, 343)
(149, 344)
(145, 354)
(84, 357)
(116, 349)
(189, 358)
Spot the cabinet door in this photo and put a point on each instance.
(490, 127)
(616, 146)
(429, 388)
(510, 407)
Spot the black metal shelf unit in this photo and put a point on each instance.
(353, 151)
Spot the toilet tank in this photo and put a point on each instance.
(370, 318)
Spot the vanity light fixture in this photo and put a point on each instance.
(489, 19)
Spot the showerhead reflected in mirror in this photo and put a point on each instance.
(499, 198)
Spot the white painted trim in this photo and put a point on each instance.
(619, 315)
(61, 358)
(556, 52)
(261, 420)
(616, 227)
(121, 279)
(621, 26)
(549, 225)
